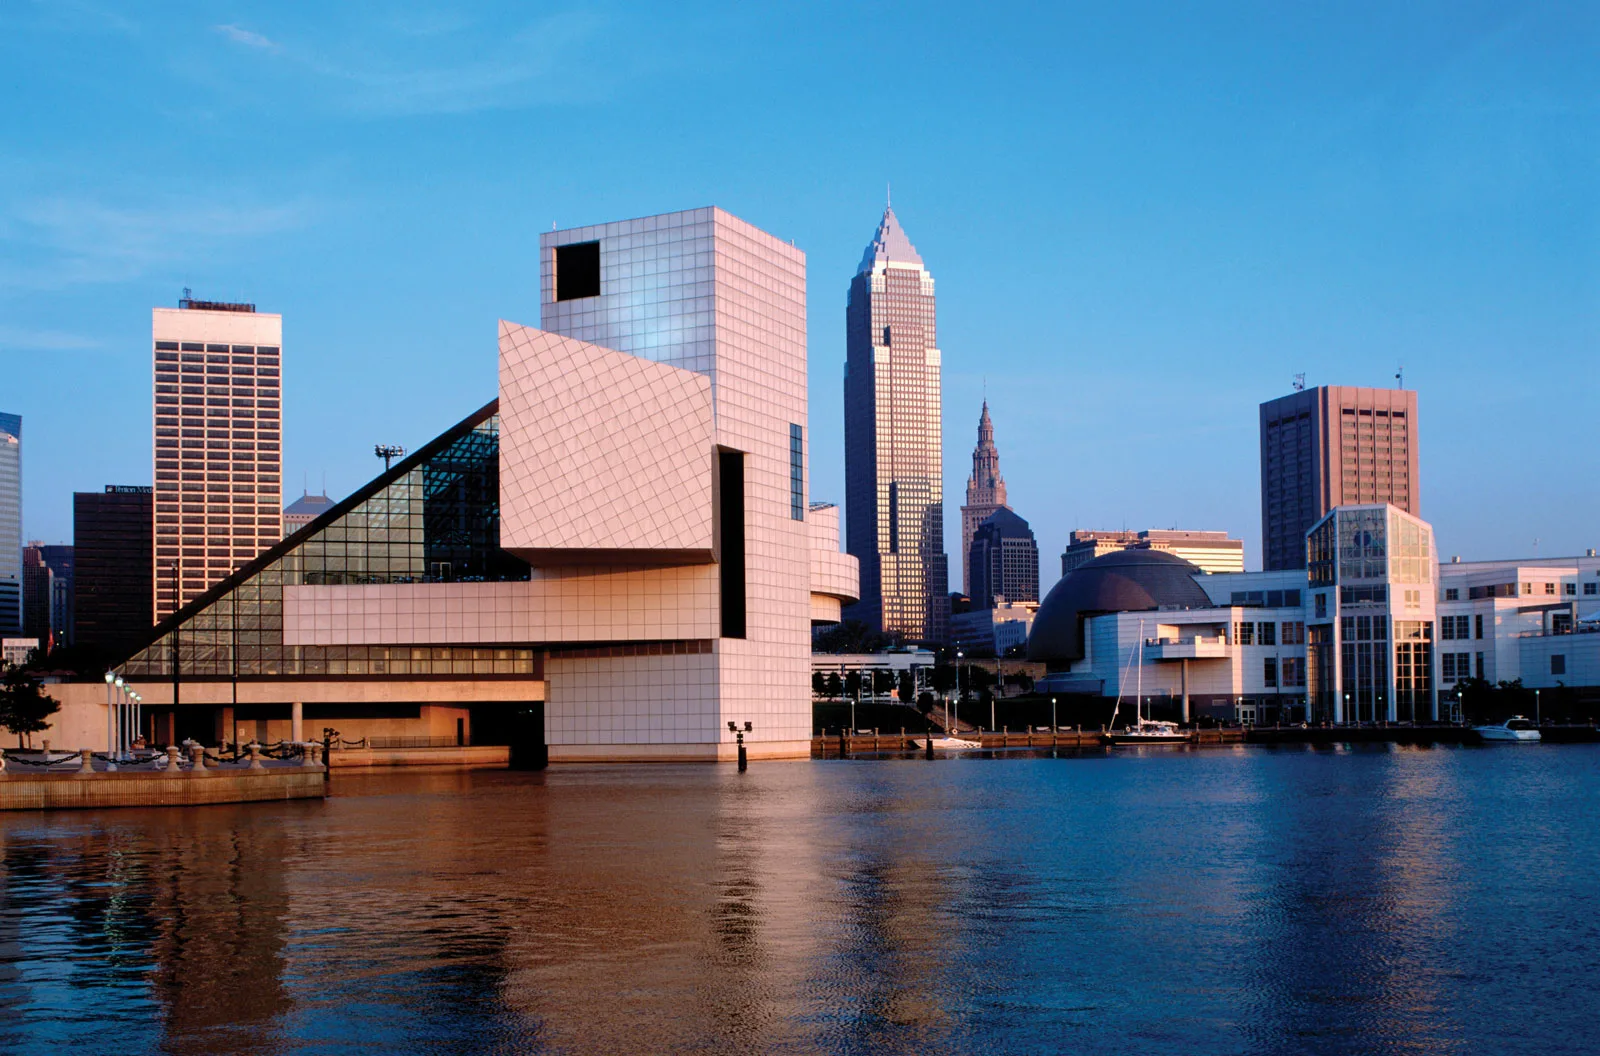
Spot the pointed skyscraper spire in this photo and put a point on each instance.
(890, 245)
(986, 491)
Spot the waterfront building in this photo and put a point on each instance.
(112, 533)
(919, 662)
(986, 494)
(894, 463)
(1334, 445)
(994, 630)
(1536, 621)
(10, 524)
(1207, 551)
(303, 511)
(1349, 639)
(612, 560)
(1004, 559)
(218, 443)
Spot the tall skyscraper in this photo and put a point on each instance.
(1334, 445)
(894, 467)
(1004, 559)
(218, 443)
(986, 493)
(111, 536)
(10, 524)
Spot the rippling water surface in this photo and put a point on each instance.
(1183, 901)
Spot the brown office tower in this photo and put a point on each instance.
(893, 443)
(1334, 445)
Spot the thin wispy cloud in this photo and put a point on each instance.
(431, 63)
(58, 242)
(22, 339)
(249, 38)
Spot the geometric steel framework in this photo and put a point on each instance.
(432, 518)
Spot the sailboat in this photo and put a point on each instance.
(1142, 730)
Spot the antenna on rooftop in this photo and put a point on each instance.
(1300, 382)
(388, 452)
(1400, 377)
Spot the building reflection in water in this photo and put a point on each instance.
(1219, 901)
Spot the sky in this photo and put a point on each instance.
(1143, 220)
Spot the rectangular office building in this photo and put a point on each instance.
(1334, 445)
(111, 532)
(218, 444)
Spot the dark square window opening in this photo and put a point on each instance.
(577, 271)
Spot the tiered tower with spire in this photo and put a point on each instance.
(894, 468)
(986, 493)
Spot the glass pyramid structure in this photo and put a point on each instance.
(432, 518)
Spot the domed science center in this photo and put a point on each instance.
(1349, 638)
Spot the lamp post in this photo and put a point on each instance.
(121, 718)
(111, 719)
(138, 716)
(961, 687)
(1052, 714)
(1537, 719)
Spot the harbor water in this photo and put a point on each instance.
(1157, 900)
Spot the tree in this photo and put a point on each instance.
(851, 636)
(24, 707)
(819, 684)
(852, 683)
(943, 678)
(908, 687)
(883, 682)
(835, 685)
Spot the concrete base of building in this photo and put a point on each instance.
(132, 788)
(707, 752)
(469, 757)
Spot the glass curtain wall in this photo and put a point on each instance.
(433, 518)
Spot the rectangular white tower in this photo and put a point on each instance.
(705, 292)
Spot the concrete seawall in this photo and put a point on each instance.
(138, 788)
(469, 757)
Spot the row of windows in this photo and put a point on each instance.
(191, 346)
(1260, 633)
(1294, 671)
(1269, 599)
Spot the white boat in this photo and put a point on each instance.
(1516, 728)
(952, 744)
(1147, 731)
(1142, 730)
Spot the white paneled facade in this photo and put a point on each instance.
(705, 292)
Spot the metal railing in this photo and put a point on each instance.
(408, 742)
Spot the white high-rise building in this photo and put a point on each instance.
(10, 524)
(218, 443)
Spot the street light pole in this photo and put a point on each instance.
(1052, 714)
(111, 718)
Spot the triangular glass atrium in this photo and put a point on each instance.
(432, 518)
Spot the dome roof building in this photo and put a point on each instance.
(1123, 581)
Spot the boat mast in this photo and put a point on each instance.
(1120, 683)
(1138, 699)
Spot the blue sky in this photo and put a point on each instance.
(1144, 219)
